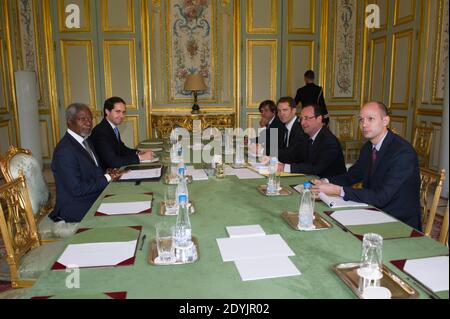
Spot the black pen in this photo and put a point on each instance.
(142, 242)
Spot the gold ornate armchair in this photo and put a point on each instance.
(423, 136)
(430, 181)
(25, 258)
(18, 160)
(443, 235)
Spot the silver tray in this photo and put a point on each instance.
(162, 208)
(154, 253)
(292, 219)
(398, 287)
(284, 191)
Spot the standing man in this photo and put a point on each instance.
(311, 94)
(79, 179)
(387, 166)
(292, 132)
(322, 152)
(106, 138)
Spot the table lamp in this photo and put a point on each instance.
(195, 83)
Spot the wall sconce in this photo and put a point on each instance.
(195, 83)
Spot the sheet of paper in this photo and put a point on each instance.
(253, 247)
(126, 208)
(260, 168)
(266, 268)
(156, 149)
(361, 217)
(229, 171)
(245, 231)
(154, 160)
(432, 272)
(197, 174)
(245, 173)
(339, 202)
(142, 173)
(299, 188)
(151, 143)
(97, 254)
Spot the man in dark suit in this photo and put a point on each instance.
(321, 153)
(271, 128)
(311, 94)
(387, 166)
(107, 141)
(291, 136)
(78, 177)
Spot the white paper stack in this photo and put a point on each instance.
(256, 255)
(142, 173)
(197, 174)
(339, 202)
(260, 168)
(154, 160)
(353, 217)
(432, 272)
(125, 208)
(245, 173)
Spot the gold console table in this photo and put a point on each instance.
(163, 123)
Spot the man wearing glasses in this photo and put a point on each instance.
(321, 152)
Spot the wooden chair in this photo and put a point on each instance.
(443, 235)
(430, 181)
(26, 258)
(423, 136)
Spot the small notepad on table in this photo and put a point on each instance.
(245, 231)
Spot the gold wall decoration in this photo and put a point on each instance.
(343, 126)
(399, 125)
(110, 14)
(129, 130)
(377, 68)
(345, 61)
(384, 13)
(45, 142)
(442, 56)
(400, 81)
(266, 68)
(265, 7)
(6, 136)
(78, 79)
(4, 103)
(300, 56)
(294, 11)
(410, 14)
(85, 15)
(253, 119)
(119, 59)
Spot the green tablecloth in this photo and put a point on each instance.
(221, 203)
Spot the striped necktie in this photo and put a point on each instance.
(116, 131)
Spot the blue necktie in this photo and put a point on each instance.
(116, 131)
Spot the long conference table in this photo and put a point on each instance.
(220, 203)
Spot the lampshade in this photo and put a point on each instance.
(194, 82)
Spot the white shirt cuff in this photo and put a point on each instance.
(325, 180)
(342, 192)
(287, 168)
(108, 177)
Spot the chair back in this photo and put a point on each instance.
(17, 225)
(443, 235)
(430, 192)
(19, 160)
(423, 136)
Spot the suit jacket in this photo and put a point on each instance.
(78, 180)
(268, 135)
(311, 94)
(290, 154)
(324, 158)
(393, 186)
(112, 151)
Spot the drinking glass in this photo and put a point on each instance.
(372, 252)
(164, 242)
(170, 200)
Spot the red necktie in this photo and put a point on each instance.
(374, 158)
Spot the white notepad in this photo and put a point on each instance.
(243, 248)
(197, 174)
(125, 208)
(353, 217)
(266, 268)
(245, 231)
(432, 272)
(142, 173)
(339, 202)
(154, 160)
(97, 254)
(245, 173)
